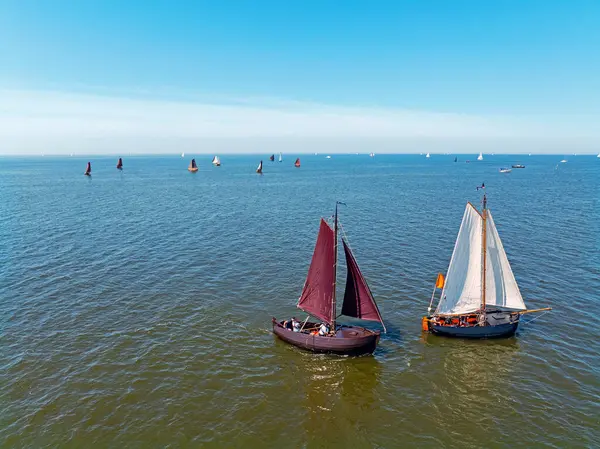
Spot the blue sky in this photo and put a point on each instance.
(402, 76)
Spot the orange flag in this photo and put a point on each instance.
(439, 283)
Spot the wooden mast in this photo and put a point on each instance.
(335, 246)
(482, 320)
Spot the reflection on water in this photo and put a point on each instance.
(339, 392)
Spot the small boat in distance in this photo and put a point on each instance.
(259, 168)
(272, 157)
(193, 167)
(297, 163)
(505, 170)
(280, 158)
(598, 155)
(456, 159)
(371, 154)
(327, 157)
(216, 161)
(318, 299)
(480, 157)
(88, 169)
(518, 166)
(563, 161)
(182, 154)
(120, 164)
(480, 297)
(427, 156)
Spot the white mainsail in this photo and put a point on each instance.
(216, 161)
(462, 290)
(280, 158)
(427, 156)
(480, 157)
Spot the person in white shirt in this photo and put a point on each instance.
(296, 325)
(324, 329)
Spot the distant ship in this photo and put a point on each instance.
(120, 164)
(272, 157)
(216, 161)
(480, 157)
(259, 168)
(505, 170)
(193, 167)
(297, 163)
(518, 166)
(88, 169)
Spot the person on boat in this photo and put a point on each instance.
(324, 330)
(296, 325)
(287, 324)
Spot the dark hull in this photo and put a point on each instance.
(497, 331)
(349, 340)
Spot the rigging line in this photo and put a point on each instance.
(539, 316)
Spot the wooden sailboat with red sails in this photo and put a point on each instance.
(120, 164)
(193, 167)
(480, 297)
(88, 169)
(318, 299)
(297, 163)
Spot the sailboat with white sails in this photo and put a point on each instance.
(480, 157)
(480, 297)
(216, 161)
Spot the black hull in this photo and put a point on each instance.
(349, 340)
(498, 331)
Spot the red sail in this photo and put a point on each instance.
(297, 163)
(317, 294)
(358, 299)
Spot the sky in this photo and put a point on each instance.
(104, 77)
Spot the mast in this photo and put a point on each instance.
(482, 320)
(335, 249)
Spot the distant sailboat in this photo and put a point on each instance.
(297, 163)
(505, 170)
(259, 168)
(182, 154)
(427, 156)
(563, 161)
(480, 297)
(327, 157)
(272, 157)
(318, 299)
(193, 167)
(480, 157)
(371, 154)
(120, 164)
(598, 155)
(88, 169)
(280, 158)
(216, 161)
(456, 159)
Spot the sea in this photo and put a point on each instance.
(136, 305)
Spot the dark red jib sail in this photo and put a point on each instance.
(358, 299)
(317, 295)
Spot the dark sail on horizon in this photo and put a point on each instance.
(317, 294)
(358, 299)
(120, 163)
(272, 157)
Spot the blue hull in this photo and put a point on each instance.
(498, 331)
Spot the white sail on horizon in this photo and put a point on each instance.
(462, 289)
(427, 156)
(280, 158)
(216, 160)
(480, 157)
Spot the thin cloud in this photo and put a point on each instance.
(58, 122)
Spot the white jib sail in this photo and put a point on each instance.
(462, 291)
(501, 288)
